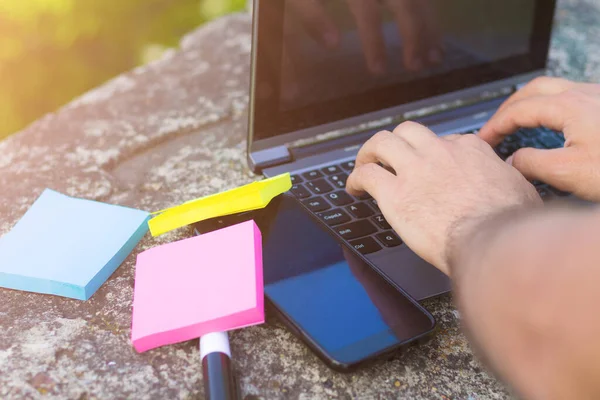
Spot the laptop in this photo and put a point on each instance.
(316, 99)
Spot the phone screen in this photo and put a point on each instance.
(328, 292)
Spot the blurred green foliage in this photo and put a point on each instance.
(53, 50)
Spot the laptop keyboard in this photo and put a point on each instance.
(359, 221)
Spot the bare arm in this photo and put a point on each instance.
(527, 287)
(526, 276)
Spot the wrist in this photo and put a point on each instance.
(470, 237)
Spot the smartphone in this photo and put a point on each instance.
(325, 293)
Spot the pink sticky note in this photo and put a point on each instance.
(208, 283)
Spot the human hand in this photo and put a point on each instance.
(415, 20)
(440, 188)
(562, 105)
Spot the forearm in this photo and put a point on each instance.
(526, 284)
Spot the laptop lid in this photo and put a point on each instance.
(321, 65)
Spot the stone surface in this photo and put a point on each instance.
(159, 135)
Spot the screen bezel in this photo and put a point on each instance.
(322, 352)
(265, 120)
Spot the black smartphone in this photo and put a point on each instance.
(326, 293)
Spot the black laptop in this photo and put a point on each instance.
(314, 102)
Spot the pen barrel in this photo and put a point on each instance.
(219, 382)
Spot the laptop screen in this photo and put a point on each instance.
(319, 61)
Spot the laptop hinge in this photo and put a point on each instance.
(274, 156)
(519, 86)
(269, 157)
(348, 136)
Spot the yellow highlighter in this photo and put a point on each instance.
(253, 196)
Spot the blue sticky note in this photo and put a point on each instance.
(67, 246)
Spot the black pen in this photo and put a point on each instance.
(217, 372)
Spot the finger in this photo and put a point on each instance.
(368, 21)
(550, 111)
(429, 38)
(469, 140)
(370, 178)
(542, 86)
(418, 27)
(452, 137)
(415, 134)
(409, 23)
(546, 86)
(387, 148)
(317, 22)
(545, 165)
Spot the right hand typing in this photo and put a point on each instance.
(562, 105)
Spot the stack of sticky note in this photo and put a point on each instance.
(67, 246)
(208, 283)
(183, 290)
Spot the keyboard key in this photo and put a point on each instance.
(543, 129)
(348, 166)
(505, 150)
(551, 135)
(559, 136)
(374, 204)
(360, 210)
(544, 192)
(366, 245)
(551, 142)
(365, 196)
(339, 184)
(332, 169)
(511, 139)
(312, 175)
(340, 198)
(335, 217)
(538, 145)
(527, 143)
(317, 204)
(356, 229)
(558, 192)
(389, 239)
(548, 130)
(380, 220)
(512, 148)
(319, 186)
(300, 191)
(528, 133)
(339, 180)
(502, 152)
(295, 179)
